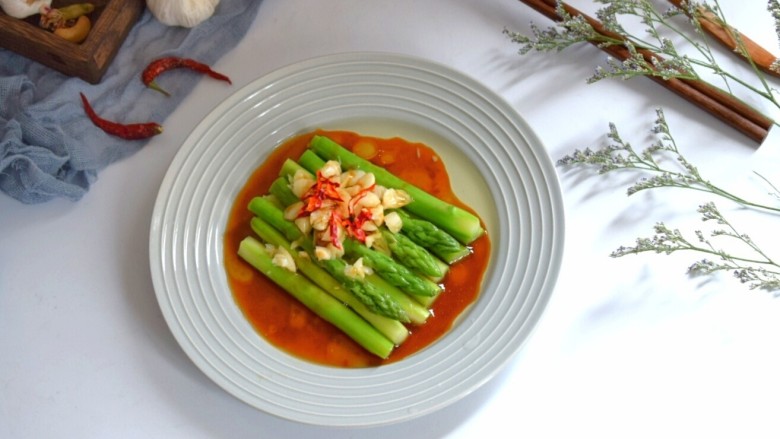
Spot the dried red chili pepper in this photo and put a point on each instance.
(334, 223)
(157, 67)
(354, 224)
(323, 189)
(135, 131)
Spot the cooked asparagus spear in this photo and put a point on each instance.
(426, 234)
(310, 161)
(317, 300)
(415, 308)
(289, 167)
(393, 272)
(271, 213)
(414, 256)
(463, 225)
(280, 188)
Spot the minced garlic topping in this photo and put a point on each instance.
(335, 205)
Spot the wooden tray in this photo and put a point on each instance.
(111, 22)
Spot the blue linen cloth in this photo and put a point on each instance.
(50, 149)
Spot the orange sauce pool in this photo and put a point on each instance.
(289, 325)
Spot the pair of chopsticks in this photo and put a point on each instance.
(718, 103)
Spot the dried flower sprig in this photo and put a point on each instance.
(758, 270)
(670, 62)
(572, 30)
(619, 154)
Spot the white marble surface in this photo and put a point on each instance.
(628, 347)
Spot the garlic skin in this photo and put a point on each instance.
(23, 8)
(185, 13)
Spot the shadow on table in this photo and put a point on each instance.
(214, 413)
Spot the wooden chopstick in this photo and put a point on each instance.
(725, 35)
(722, 105)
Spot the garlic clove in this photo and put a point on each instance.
(23, 8)
(185, 13)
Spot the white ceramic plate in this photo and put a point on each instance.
(497, 166)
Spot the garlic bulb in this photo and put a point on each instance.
(23, 8)
(186, 13)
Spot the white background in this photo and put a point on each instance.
(628, 347)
